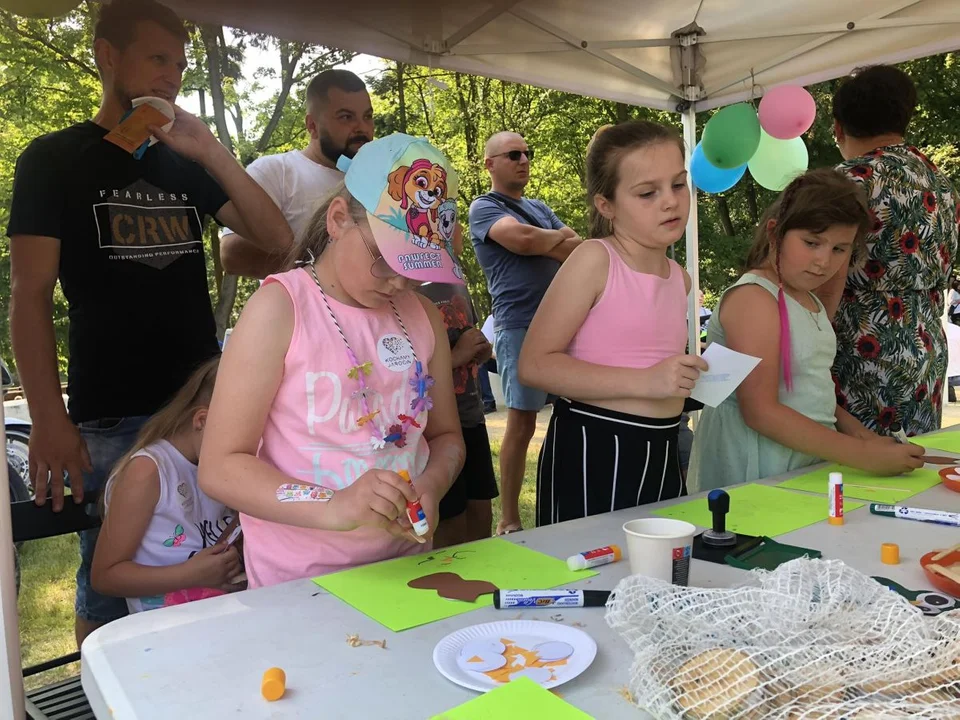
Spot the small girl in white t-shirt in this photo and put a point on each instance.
(158, 545)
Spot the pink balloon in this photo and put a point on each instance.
(787, 112)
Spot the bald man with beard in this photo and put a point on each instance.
(520, 244)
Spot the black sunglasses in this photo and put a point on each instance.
(515, 155)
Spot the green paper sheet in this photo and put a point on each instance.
(380, 590)
(864, 486)
(948, 441)
(521, 699)
(759, 510)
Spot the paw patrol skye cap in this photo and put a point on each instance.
(409, 190)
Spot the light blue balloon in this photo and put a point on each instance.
(713, 179)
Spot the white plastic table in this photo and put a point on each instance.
(205, 659)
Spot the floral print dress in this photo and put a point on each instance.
(891, 348)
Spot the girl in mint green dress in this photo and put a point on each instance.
(785, 416)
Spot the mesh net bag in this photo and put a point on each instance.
(812, 639)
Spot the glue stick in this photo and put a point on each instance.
(835, 494)
(415, 513)
(593, 558)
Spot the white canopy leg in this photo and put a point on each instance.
(689, 117)
(11, 692)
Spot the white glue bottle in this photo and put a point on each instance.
(835, 499)
(594, 558)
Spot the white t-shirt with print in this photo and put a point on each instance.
(295, 183)
(185, 521)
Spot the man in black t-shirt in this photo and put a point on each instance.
(124, 237)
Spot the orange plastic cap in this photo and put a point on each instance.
(274, 684)
(890, 554)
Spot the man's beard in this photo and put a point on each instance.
(332, 151)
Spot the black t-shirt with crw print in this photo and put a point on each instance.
(131, 264)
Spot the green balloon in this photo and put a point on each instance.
(777, 162)
(731, 136)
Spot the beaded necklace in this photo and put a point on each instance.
(420, 383)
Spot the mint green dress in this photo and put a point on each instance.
(726, 451)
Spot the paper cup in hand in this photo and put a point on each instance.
(660, 548)
(161, 105)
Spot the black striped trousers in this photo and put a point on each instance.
(595, 460)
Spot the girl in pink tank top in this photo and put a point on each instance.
(610, 335)
(338, 378)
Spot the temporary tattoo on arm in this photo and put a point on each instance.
(296, 492)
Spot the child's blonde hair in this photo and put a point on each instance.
(172, 417)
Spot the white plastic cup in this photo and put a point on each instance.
(660, 548)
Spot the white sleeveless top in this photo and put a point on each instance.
(185, 521)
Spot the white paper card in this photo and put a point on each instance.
(728, 369)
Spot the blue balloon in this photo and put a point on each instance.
(712, 179)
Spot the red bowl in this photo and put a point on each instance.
(936, 579)
(951, 478)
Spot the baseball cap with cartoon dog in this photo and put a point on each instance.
(409, 190)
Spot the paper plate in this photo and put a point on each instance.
(161, 105)
(520, 640)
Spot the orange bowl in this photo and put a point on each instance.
(951, 478)
(936, 579)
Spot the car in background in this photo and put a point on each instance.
(18, 444)
(18, 460)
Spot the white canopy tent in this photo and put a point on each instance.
(642, 52)
(679, 55)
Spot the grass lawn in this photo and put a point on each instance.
(49, 567)
(528, 493)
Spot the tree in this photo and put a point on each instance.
(49, 81)
(223, 62)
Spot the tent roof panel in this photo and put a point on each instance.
(617, 49)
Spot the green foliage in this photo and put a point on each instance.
(49, 81)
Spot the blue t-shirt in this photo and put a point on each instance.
(517, 283)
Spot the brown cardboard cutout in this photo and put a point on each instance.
(452, 586)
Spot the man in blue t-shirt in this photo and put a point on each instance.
(520, 244)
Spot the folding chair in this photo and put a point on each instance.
(64, 700)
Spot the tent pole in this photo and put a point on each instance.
(11, 692)
(689, 116)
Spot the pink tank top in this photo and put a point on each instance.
(639, 320)
(311, 433)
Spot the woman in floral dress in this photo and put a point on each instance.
(891, 349)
